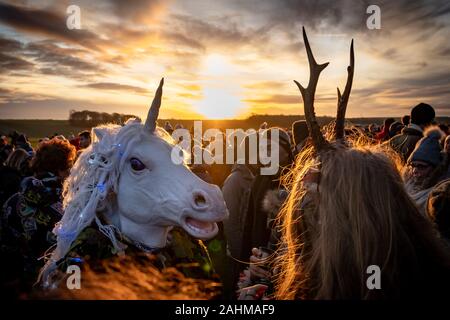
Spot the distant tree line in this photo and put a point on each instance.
(88, 118)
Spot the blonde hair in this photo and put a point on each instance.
(361, 216)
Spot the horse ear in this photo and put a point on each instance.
(99, 133)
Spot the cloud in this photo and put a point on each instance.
(54, 59)
(341, 15)
(46, 57)
(10, 61)
(262, 85)
(183, 40)
(139, 10)
(10, 64)
(276, 99)
(10, 45)
(115, 87)
(226, 34)
(47, 23)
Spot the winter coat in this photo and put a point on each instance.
(257, 229)
(405, 142)
(25, 146)
(236, 192)
(27, 222)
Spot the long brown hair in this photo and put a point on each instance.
(362, 216)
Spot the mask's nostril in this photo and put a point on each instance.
(200, 200)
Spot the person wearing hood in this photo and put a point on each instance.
(22, 143)
(300, 133)
(260, 216)
(438, 208)
(404, 143)
(395, 129)
(236, 193)
(425, 167)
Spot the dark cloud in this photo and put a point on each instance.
(46, 57)
(342, 15)
(10, 45)
(115, 87)
(46, 23)
(10, 60)
(404, 93)
(10, 64)
(138, 10)
(52, 56)
(226, 34)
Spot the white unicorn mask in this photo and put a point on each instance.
(127, 183)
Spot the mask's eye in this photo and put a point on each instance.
(137, 164)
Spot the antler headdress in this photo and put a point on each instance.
(318, 140)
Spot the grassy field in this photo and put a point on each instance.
(36, 129)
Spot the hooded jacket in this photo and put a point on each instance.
(236, 192)
(405, 142)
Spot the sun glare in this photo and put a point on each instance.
(219, 103)
(221, 93)
(217, 65)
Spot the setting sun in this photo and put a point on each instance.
(221, 96)
(219, 103)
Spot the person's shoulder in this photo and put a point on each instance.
(412, 132)
(237, 175)
(398, 137)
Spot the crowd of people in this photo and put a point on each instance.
(308, 231)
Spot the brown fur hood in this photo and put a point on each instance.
(273, 201)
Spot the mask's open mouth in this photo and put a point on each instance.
(200, 229)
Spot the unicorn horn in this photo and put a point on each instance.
(150, 123)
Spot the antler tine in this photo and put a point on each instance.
(153, 112)
(308, 93)
(343, 99)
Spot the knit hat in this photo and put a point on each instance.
(422, 114)
(299, 131)
(438, 206)
(428, 149)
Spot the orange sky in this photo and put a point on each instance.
(220, 59)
